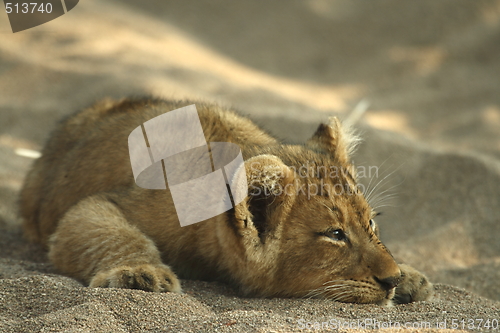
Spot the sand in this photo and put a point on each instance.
(430, 71)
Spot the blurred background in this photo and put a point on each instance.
(430, 71)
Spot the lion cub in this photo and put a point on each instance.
(80, 200)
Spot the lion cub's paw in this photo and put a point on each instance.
(157, 278)
(414, 286)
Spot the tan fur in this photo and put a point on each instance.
(81, 201)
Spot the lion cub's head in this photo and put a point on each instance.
(306, 228)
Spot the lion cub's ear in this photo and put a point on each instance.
(271, 193)
(336, 139)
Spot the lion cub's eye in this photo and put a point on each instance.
(335, 234)
(373, 225)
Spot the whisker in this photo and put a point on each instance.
(342, 298)
(380, 206)
(339, 297)
(318, 290)
(371, 178)
(329, 208)
(314, 292)
(336, 287)
(380, 182)
(371, 196)
(385, 199)
(331, 281)
(383, 192)
(339, 289)
(373, 199)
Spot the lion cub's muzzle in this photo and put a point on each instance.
(389, 283)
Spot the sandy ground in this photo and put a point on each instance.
(429, 69)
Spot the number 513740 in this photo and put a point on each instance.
(26, 8)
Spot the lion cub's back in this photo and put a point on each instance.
(87, 153)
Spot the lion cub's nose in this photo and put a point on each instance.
(389, 282)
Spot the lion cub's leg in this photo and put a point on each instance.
(94, 243)
(414, 286)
